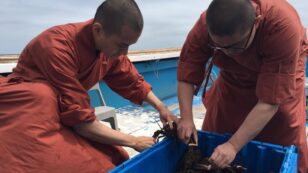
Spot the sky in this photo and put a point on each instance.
(166, 22)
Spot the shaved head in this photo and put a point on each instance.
(226, 17)
(114, 14)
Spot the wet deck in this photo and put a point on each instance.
(142, 121)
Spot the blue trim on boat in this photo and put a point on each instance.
(161, 74)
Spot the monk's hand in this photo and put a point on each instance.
(142, 142)
(186, 130)
(224, 154)
(166, 116)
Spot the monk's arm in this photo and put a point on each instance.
(98, 132)
(258, 117)
(165, 114)
(185, 94)
(154, 101)
(186, 127)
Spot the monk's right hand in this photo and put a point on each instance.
(186, 129)
(143, 142)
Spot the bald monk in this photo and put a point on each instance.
(46, 122)
(260, 48)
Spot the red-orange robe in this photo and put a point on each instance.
(47, 94)
(272, 69)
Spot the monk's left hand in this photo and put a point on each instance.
(166, 116)
(223, 155)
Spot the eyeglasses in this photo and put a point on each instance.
(232, 47)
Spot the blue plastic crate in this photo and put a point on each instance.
(257, 157)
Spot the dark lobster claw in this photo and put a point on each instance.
(166, 131)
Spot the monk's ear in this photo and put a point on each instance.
(97, 28)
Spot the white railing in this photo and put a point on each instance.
(8, 62)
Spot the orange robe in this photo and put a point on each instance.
(47, 94)
(272, 69)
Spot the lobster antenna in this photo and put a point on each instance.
(158, 124)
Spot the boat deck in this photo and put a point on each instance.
(143, 121)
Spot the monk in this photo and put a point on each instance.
(46, 122)
(260, 48)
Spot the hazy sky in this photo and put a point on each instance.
(167, 22)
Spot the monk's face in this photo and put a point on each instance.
(234, 44)
(117, 44)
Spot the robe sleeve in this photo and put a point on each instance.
(124, 79)
(280, 52)
(60, 69)
(194, 55)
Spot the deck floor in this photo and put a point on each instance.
(142, 121)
